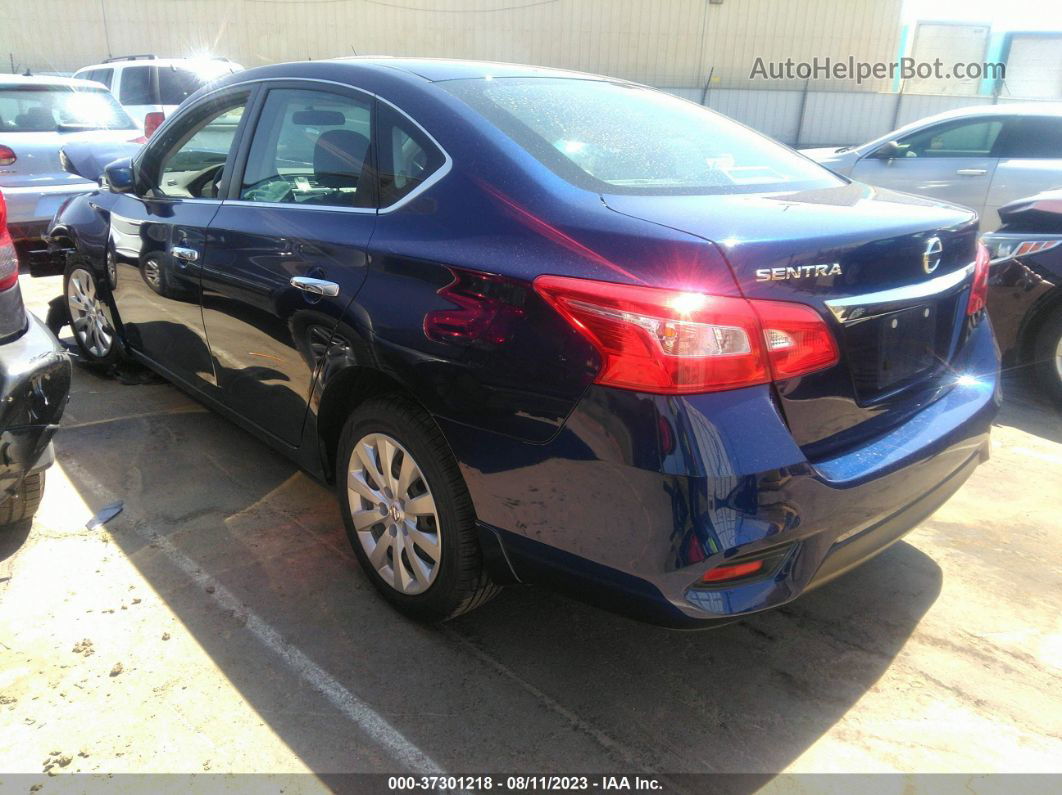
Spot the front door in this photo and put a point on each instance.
(158, 238)
(951, 161)
(287, 250)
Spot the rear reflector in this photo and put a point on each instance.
(733, 572)
(979, 290)
(674, 342)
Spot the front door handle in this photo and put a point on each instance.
(314, 286)
(972, 172)
(185, 254)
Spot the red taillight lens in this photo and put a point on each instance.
(7, 156)
(152, 121)
(796, 337)
(733, 572)
(8, 257)
(674, 342)
(979, 290)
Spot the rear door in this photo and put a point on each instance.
(1030, 161)
(158, 237)
(288, 249)
(951, 161)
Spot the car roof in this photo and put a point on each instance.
(16, 81)
(441, 69)
(213, 63)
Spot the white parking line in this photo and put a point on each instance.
(365, 717)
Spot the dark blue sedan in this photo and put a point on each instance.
(540, 326)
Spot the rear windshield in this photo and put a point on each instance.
(51, 108)
(176, 85)
(617, 138)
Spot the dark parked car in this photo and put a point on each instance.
(540, 326)
(1025, 286)
(34, 385)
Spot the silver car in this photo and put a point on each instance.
(38, 117)
(980, 157)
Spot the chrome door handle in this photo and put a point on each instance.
(314, 286)
(972, 172)
(185, 254)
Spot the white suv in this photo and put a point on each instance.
(147, 84)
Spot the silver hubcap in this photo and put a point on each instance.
(394, 514)
(151, 273)
(90, 322)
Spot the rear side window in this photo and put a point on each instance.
(1031, 137)
(311, 148)
(176, 85)
(620, 138)
(136, 86)
(407, 156)
(99, 75)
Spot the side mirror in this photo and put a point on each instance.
(118, 176)
(888, 151)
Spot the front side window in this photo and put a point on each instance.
(197, 152)
(619, 138)
(964, 139)
(52, 108)
(311, 148)
(136, 87)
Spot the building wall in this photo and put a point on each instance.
(671, 43)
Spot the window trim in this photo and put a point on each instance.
(251, 115)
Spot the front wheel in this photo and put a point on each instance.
(93, 332)
(1048, 355)
(407, 512)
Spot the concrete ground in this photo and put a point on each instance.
(220, 623)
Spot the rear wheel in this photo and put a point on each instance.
(1047, 355)
(407, 512)
(23, 504)
(93, 332)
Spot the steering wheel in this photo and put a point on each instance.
(207, 184)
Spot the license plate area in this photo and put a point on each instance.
(890, 350)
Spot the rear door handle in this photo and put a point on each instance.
(185, 254)
(972, 172)
(314, 286)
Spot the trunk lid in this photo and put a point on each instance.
(37, 155)
(889, 272)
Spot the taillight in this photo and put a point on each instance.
(734, 571)
(673, 342)
(979, 289)
(152, 121)
(8, 257)
(7, 156)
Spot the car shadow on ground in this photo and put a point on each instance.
(531, 682)
(1027, 407)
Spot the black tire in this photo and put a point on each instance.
(90, 354)
(1046, 350)
(24, 503)
(461, 582)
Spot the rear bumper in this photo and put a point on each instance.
(31, 208)
(639, 495)
(34, 387)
